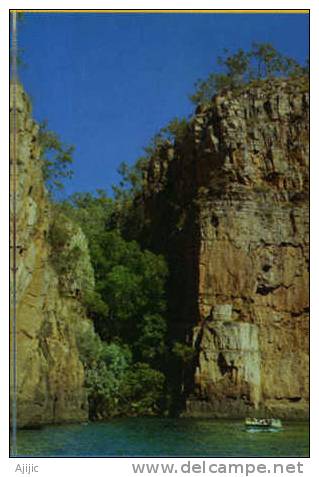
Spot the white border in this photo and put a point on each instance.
(81, 467)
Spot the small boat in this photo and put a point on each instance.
(254, 423)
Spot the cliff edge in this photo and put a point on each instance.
(50, 376)
(228, 205)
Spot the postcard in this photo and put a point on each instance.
(159, 181)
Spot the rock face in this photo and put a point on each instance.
(229, 206)
(50, 376)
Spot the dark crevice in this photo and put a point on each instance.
(215, 220)
(265, 290)
(294, 399)
(266, 268)
(222, 364)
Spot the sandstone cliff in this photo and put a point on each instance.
(228, 205)
(50, 376)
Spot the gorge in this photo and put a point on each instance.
(227, 206)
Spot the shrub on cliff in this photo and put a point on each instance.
(62, 257)
(262, 62)
(69, 255)
(133, 177)
(56, 158)
(60, 232)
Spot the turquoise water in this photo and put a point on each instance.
(164, 437)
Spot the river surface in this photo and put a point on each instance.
(164, 437)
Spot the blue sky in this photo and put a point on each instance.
(108, 82)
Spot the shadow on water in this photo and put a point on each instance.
(147, 437)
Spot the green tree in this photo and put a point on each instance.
(94, 213)
(236, 65)
(62, 256)
(151, 342)
(133, 177)
(115, 384)
(130, 282)
(183, 353)
(143, 390)
(88, 343)
(105, 378)
(268, 60)
(262, 62)
(56, 158)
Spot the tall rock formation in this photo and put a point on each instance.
(228, 205)
(50, 376)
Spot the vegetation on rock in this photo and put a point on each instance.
(56, 157)
(262, 62)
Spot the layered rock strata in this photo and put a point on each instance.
(50, 376)
(229, 206)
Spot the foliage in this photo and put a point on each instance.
(133, 177)
(88, 343)
(105, 377)
(115, 385)
(142, 390)
(96, 308)
(128, 308)
(60, 234)
(263, 61)
(129, 199)
(269, 63)
(183, 352)
(173, 132)
(56, 158)
(151, 345)
(130, 282)
(93, 213)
